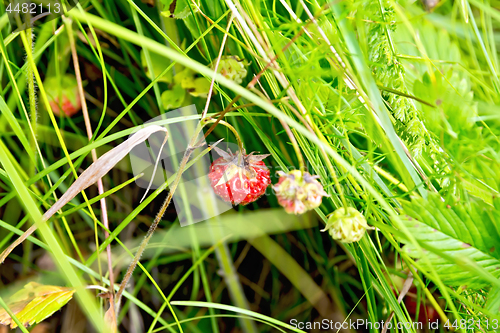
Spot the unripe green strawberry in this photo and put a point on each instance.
(232, 67)
(298, 192)
(347, 225)
(70, 103)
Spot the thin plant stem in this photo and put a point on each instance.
(32, 98)
(224, 39)
(32, 120)
(231, 128)
(100, 186)
(295, 146)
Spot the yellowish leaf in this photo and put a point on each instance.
(34, 303)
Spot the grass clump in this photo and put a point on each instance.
(390, 107)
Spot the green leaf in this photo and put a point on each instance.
(172, 99)
(159, 64)
(463, 241)
(493, 303)
(35, 303)
(456, 106)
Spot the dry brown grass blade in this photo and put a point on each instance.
(94, 172)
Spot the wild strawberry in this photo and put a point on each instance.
(70, 103)
(298, 192)
(239, 178)
(232, 67)
(347, 225)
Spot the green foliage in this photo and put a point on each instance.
(351, 85)
(493, 303)
(173, 98)
(192, 83)
(472, 147)
(461, 242)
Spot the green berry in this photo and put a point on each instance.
(347, 225)
(232, 67)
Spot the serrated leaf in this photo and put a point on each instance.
(493, 302)
(35, 302)
(478, 190)
(453, 257)
(459, 237)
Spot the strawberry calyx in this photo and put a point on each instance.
(298, 191)
(239, 164)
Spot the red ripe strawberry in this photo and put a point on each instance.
(70, 103)
(239, 178)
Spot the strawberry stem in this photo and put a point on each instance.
(206, 121)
